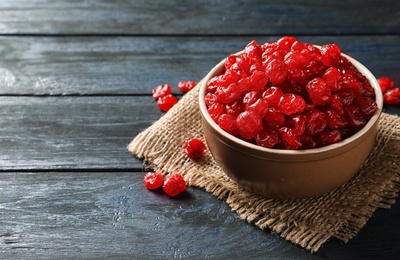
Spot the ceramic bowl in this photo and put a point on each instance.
(289, 174)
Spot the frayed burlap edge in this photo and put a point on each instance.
(308, 223)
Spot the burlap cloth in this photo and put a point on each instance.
(308, 223)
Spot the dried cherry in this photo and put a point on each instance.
(385, 83)
(174, 185)
(292, 95)
(392, 96)
(166, 102)
(194, 148)
(153, 180)
(161, 91)
(186, 85)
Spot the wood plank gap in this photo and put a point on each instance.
(200, 35)
(72, 170)
(80, 95)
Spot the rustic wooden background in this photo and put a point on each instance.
(75, 89)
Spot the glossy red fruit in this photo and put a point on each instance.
(250, 97)
(230, 60)
(174, 185)
(319, 92)
(194, 148)
(316, 121)
(289, 137)
(337, 104)
(350, 80)
(216, 110)
(213, 84)
(249, 124)
(165, 103)
(335, 120)
(228, 123)
(272, 95)
(274, 119)
(234, 108)
(276, 70)
(260, 107)
(268, 138)
(367, 105)
(153, 180)
(385, 83)
(347, 96)
(186, 85)
(253, 50)
(291, 104)
(286, 42)
(294, 90)
(308, 141)
(298, 124)
(228, 94)
(332, 77)
(258, 80)
(331, 54)
(329, 137)
(355, 117)
(210, 99)
(161, 91)
(392, 96)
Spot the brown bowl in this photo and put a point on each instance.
(289, 174)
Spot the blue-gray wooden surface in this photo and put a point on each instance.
(75, 89)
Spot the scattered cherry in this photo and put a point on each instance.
(166, 100)
(385, 83)
(153, 180)
(194, 148)
(392, 96)
(186, 85)
(161, 91)
(165, 103)
(174, 185)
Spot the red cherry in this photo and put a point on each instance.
(291, 104)
(174, 185)
(165, 103)
(385, 83)
(392, 96)
(186, 85)
(161, 91)
(153, 180)
(194, 148)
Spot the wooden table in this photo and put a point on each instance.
(75, 89)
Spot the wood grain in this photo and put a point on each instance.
(135, 65)
(97, 215)
(199, 17)
(75, 88)
(72, 132)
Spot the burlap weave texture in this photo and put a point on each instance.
(308, 223)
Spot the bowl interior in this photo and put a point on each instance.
(289, 174)
(219, 68)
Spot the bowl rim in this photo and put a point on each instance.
(217, 69)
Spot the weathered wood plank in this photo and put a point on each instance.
(50, 215)
(42, 133)
(198, 17)
(134, 65)
(72, 132)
